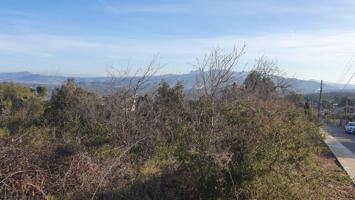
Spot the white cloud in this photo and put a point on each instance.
(339, 9)
(307, 55)
(146, 8)
(162, 8)
(16, 13)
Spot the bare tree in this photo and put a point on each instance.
(266, 78)
(216, 72)
(122, 102)
(134, 82)
(271, 70)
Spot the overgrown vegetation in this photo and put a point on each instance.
(229, 142)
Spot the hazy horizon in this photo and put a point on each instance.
(157, 74)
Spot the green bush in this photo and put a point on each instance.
(4, 133)
(76, 144)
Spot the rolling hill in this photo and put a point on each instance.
(189, 81)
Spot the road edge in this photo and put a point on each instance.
(344, 156)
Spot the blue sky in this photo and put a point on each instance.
(310, 39)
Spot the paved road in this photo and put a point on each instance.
(343, 147)
(348, 140)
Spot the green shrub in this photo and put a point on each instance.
(4, 133)
(257, 147)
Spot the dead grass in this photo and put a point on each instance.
(338, 184)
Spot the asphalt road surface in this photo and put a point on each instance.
(348, 140)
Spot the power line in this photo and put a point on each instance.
(352, 76)
(347, 68)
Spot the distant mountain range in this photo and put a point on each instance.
(189, 80)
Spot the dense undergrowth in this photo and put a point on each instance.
(162, 145)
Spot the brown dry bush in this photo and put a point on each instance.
(231, 143)
(258, 149)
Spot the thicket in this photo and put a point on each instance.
(239, 143)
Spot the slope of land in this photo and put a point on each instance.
(98, 84)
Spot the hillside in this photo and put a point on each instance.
(76, 145)
(188, 80)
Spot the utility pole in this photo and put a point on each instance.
(320, 98)
(346, 107)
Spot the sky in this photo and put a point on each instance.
(310, 39)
